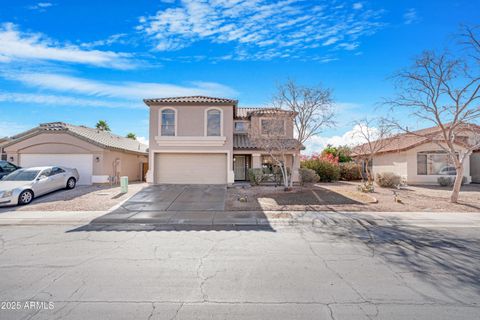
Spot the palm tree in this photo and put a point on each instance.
(132, 136)
(102, 125)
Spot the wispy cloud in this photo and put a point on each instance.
(349, 138)
(40, 6)
(133, 91)
(58, 100)
(259, 29)
(410, 16)
(8, 128)
(17, 45)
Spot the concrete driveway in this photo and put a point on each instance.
(173, 205)
(178, 198)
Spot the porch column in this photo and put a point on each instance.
(256, 160)
(296, 166)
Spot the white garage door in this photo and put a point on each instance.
(191, 168)
(82, 162)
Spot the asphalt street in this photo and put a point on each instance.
(349, 268)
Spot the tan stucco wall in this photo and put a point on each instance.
(191, 122)
(130, 164)
(61, 143)
(404, 164)
(391, 162)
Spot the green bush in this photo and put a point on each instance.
(308, 176)
(387, 179)
(255, 175)
(449, 181)
(349, 171)
(326, 170)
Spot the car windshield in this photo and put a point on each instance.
(21, 175)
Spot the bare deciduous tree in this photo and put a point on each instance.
(373, 135)
(442, 90)
(313, 106)
(270, 137)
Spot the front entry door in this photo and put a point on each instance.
(239, 167)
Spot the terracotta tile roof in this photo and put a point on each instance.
(245, 113)
(242, 141)
(104, 139)
(405, 141)
(190, 100)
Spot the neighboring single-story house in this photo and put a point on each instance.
(99, 156)
(418, 160)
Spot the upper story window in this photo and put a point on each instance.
(168, 122)
(273, 126)
(241, 127)
(214, 122)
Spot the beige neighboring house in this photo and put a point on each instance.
(204, 140)
(419, 161)
(97, 155)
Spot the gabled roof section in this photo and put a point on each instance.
(104, 139)
(246, 113)
(191, 100)
(409, 140)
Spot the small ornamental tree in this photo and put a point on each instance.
(270, 137)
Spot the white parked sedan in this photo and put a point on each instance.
(21, 186)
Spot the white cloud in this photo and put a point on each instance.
(357, 5)
(56, 100)
(134, 91)
(258, 29)
(143, 140)
(350, 138)
(17, 45)
(41, 6)
(410, 16)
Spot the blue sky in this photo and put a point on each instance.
(82, 61)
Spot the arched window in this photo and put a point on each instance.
(168, 122)
(214, 122)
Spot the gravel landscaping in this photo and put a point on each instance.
(82, 198)
(343, 196)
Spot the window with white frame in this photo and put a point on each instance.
(214, 122)
(273, 126)
(435, 163)
(168, 122)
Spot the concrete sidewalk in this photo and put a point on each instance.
(237, 218)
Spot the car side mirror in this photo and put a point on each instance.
(42, 177)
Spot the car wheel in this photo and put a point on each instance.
(25, 197)
(71, 183)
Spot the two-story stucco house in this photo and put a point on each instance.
(204, 140)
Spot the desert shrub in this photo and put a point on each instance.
(349, 171)
(308, 176)
(449, 181)
(327, 170)
(255, 175)
(387, 179)
(366, 187)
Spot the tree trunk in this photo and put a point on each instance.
(458, 183)
(367, 169)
